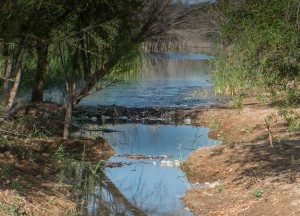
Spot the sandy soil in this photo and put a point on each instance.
(249, 176)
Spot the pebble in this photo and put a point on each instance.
(187, 121)
(94, 119)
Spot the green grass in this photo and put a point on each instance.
(10, 209)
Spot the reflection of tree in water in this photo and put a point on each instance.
(163, 67)
(157, 66)
(96, 194)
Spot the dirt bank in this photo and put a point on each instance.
(33, 162)
(250, 177)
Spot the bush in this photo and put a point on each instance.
(261, 48)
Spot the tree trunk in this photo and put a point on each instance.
(68, 115)
(39, 80)
(14, 89)
(71, 91)
(18, 72)
(8, 53)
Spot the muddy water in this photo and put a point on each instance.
(145, 169)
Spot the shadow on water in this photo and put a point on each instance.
(144, 176)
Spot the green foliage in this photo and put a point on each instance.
(257, 193)
(237, 101)
(72, 212)
(90, 35)
(10, 209)
(262, 48)
(41, 133)
(61, 155)
(220, 188)
(292, 119)
(13, 208)
(17, 186)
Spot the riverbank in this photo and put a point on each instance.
(250, 177)
(36, 164)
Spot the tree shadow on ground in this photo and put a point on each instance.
(282, 163)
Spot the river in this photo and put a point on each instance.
(167, 79)
(144, 176)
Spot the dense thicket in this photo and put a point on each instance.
(79, 41)
(261, 41)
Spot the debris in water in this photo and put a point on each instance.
(168, 163)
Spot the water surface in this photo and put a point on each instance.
(147, 183)
(166, 79)
(142, 179)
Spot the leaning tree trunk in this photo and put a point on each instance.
(39, 80)
(18, 72)
(14, 89)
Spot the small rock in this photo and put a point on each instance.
(187, 121)
(94, 119)
(105, 117)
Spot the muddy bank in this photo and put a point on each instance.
(251, 177)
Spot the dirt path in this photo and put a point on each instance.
(249, 176)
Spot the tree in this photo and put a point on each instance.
(120, 29)
(261, 41)
(14, 41)
(90, 39)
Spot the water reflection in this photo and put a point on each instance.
(138, 182)
(96, 194)
(143, 186)
(167, 79)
